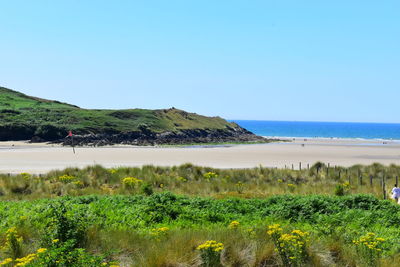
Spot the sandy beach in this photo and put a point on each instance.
(17, 157)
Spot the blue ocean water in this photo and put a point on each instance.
(322, 129)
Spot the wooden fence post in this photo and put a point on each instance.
(383, 187)
(300, 166)
(370, 179)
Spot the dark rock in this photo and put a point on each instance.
(37, 139)
(147, 137)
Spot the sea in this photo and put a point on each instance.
(349, 130)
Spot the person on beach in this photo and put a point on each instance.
(396, 193)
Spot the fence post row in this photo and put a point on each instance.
(383, 187)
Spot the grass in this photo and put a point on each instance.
(123, 225)
(192, 180)
(24, 116)
(158, 216)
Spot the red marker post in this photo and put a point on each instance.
(72, 140)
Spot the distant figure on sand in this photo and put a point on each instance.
(396, 193)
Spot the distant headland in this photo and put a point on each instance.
(25, 117)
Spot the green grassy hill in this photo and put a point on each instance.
(23, 117)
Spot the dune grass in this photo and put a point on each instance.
(201, 181)
(159, 216)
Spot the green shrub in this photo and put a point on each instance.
(64, 226)
(50, 132)
(210, 252)
(342, 189)
(370, 248)
(13, 244)
(67, 255)
(291, 247)
(146, 189)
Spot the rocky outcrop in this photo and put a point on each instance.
(24, 117)
(192, 136)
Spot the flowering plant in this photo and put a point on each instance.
(210, 252)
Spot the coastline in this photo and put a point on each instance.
(18, 157)
(292, 138)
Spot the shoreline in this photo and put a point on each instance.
(18, 157)
(289, 138)
(274, 139)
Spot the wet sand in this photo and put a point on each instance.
(17, 157)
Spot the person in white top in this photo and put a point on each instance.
(396, 193)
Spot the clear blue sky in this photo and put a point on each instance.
(266, 60)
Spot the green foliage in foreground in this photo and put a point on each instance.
(143, 213)
(22, 117)
(125, 224)
(159, 216)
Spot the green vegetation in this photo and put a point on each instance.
(192, 180)
(130, 227)
(196, 216)
(22, 117)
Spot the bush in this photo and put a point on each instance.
(50, 132)
(67, 254)
(342, 189)
(131, 182)
(146, 189)
(13, 244)
(64, 226)
(210, 253)
(291, 247)
(370, 247)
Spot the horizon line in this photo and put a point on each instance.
(317, 121)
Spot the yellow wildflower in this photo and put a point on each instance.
(159, 231)
(274, 229)
(131, 182)
(66, 178)
(234, 225)
(6, 261)
(210, 175)
(25, 260)
(41, 250)
(211, 245)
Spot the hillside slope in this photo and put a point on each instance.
(24, 117)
